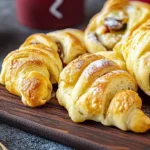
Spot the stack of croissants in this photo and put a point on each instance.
(98, 71)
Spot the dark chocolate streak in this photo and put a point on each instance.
(60, 50)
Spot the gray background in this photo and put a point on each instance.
(12, 34)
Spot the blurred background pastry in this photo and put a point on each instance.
(116, 21)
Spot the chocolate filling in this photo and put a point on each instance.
(96, 39)
(60, 50)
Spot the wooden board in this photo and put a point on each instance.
(52, 121)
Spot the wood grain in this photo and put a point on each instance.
(52, 122)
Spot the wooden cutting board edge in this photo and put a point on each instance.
(50, 133)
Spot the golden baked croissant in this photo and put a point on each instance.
(111, 55)
(69, 43)
(29, 72)
(117, 20)
(136, 52)
(92, 87)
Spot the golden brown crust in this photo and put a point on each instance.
(30, 71)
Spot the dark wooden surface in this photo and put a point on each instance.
(52, 121)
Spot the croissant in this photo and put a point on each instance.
(92, 87)
(117, 20)
(69, 43)
(136, 53)
(30, 72)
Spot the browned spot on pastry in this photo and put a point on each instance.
(30, 89)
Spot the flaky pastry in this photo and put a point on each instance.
(94, 88)
(30, 72)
